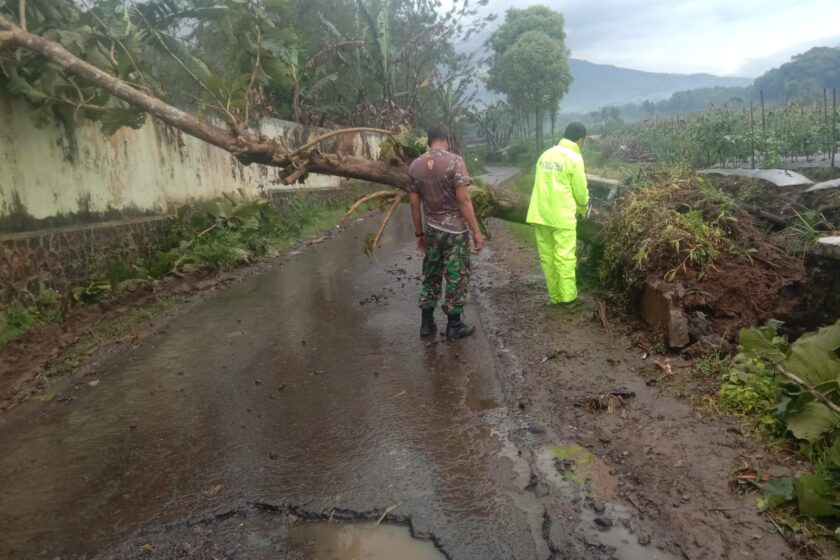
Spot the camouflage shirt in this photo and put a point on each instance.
(434, 176)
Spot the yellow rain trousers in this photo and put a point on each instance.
(560, 194)
(557, 257)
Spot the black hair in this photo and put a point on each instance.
(575, 131)
(439, 132)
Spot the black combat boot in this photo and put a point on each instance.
(456, 328)
(427, 326)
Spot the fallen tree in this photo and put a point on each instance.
(251, 147)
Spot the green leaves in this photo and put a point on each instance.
(408, 146)
(816, 495)
(759, 342)
(114, 118)
(234, 210)
(778, 491)
(812, 421)
(809, 371)
(812, 357)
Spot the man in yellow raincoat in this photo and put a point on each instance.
(560, 195)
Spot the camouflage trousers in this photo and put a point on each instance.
(447, 255)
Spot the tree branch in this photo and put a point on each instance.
(231, 119)
(250, 146)
(323, 137)
(813, 392)
(22, 13)
(387, 218)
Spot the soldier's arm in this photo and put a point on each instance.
(416, 214)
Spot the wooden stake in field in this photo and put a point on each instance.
(825, 121)
(833, 124)
(763, 127)
(752, 135)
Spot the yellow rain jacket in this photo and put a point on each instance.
(559, 193)
(559, 188)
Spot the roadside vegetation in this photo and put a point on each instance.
(788, 391)
(370, 64)
(734, 134)
(218, 234)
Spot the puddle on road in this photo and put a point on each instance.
(357, 541)
(576, 472)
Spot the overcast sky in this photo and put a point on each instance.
(727, 37)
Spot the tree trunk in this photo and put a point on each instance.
(553, 123)
(245, 145)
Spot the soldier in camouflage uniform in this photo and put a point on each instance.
(439, 180)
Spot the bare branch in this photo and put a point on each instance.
(297, 174)
(22, 13)
(323, 137)
(6, 37)
(387, 218)
(373, 196)
(79, 105)
(14, 36)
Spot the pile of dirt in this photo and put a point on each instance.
(758, 194)
(745, 289)
(684, 230)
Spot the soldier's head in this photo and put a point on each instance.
(438, 137)
(575, 132)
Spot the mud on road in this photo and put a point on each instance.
(276, 416)
(660, 471)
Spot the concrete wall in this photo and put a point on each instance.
(73, 200)
(69, 174)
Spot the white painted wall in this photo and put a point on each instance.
(50, 171)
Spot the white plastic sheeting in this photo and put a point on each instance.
(779, 177)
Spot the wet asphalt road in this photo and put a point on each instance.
(306, 386)
(498, 175)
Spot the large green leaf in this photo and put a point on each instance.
(114, 118)
(827, 338)
(812, 357)
(833, 452)
(219, 208)
(815, 496)
(759, 341)
(812, 421)
(778, 491)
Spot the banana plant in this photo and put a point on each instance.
(308, 77)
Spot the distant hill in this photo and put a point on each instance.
(757, 66)
(598, 85)
(802, 79)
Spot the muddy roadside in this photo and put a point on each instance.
(648, 469)
(54, 361)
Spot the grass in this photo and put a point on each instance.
(18, 319)
(108, 331)
(224, 247)
(522, 233)
(599, 163)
